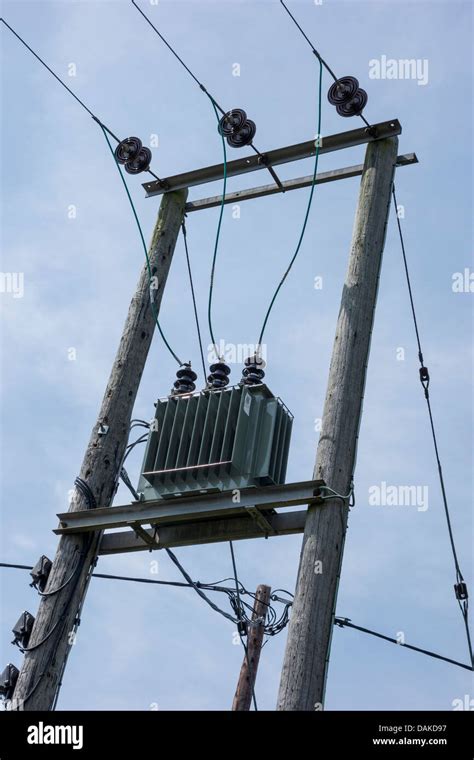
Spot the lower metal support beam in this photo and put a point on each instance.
(252, 163)
(191, 507)
(203, 532)
(290, 184)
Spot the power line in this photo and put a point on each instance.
(177, 56)
(191, 283)
(211, 98)
(339, 621)
(81, 103)
(272, 629)
(150, 276)
(345, 622)
(197, 589)
(180, 584)
(460, 587)
(308, 208)
(216, 244)
(315, 52)
(318, 56)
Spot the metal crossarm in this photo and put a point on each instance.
(190, 508)
(275, 157)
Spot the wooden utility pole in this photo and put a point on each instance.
(248, 671)
(309, 637)
(53, 631)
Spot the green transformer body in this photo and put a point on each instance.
(216, 441)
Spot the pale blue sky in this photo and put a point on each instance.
(143, 645)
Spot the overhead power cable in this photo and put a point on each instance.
(231, 592)
(106, 131)
(81, 103)
(273, 623)
(197, 589)
(216, 108)
(460, 587)
(315, 52)
(216, 247)
(306, 217)
(203, 88)
(150, 275)
(193, 294)
(346, 623)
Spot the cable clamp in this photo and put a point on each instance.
(242, 628)
(460, 589)
(424, 375)
(332, 494)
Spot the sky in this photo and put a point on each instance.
(66, 227)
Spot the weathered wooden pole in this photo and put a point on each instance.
(248, 671)
(53, 632)
(309, 636)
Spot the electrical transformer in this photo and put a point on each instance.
(216, 441)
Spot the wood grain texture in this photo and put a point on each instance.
(309, 636)
(42, 668)
(248, 671)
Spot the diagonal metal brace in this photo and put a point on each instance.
(261, 521)
(145, 536)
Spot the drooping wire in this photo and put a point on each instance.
(131, 446)
(86, 491)
(127, 482)
(65, 583)
(150, 276)
(197, 589)
(345, 622)
(308, 208)
(62, 619)
(315, 52)
(81, 103)
(216, 243)
(180, 584)
(191, 283)
(425, 379)
(216, 107)
(240, 620)
(231, 593)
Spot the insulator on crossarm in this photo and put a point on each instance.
(128, 149)
(185, 380)
(355, 106)
(347, 96)
(343, 90)
(237, 128)
(133, 155)
(219, 376)
(253, 373)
